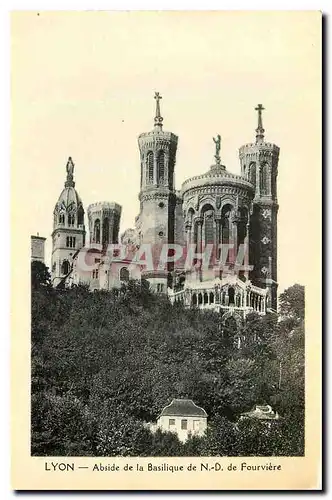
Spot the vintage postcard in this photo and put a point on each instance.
(166, 239)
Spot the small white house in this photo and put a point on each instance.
(183, 417)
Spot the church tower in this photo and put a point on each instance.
(259, 165)
(68, 227)
(155, 223)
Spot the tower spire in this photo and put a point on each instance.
(259, 130)
(158, 119)
(70, 173)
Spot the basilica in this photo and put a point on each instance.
(224, 224)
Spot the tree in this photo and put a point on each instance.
(291, 304)
(40, 275)
(106, 363)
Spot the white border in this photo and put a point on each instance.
(5, 7)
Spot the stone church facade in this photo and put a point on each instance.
(226, 223)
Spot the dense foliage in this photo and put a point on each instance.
(104, 364)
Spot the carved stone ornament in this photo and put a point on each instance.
(266, 213)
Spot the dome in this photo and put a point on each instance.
(217, 176)
(68, 198)
(69, 211)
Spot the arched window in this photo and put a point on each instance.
(80, 215)
(264, 179)
(190, 214)
(65, 268)
(170, 168)
(209, 227)
(225, 221)
(61, 218)
(96, 231)
(231, 293)
(124, 274)
(149, 165)
(207, 213)
(71, 220)
(161, 167)
(194, 302)
(252, 173)
(106, 231)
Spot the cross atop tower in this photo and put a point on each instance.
(259, 130)
(158, 119)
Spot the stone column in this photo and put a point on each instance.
(199, 222)
(218, 237)
(189, 236)
(246, 252)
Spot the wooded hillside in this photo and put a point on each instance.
(104, 363)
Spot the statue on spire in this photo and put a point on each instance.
(70, 173)
(158, 119)
(70, 167)
(217, 141)
(259, 130)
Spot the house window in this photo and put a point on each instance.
(171, 421)
(61, 219)
(97, 261)
(184, 425)
(196, 425)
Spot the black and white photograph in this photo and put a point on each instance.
(166, 161)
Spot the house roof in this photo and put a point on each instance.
(183, 408)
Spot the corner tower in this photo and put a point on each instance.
(68, 234)
(104, 222)
(155, 223)
(259, 165)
